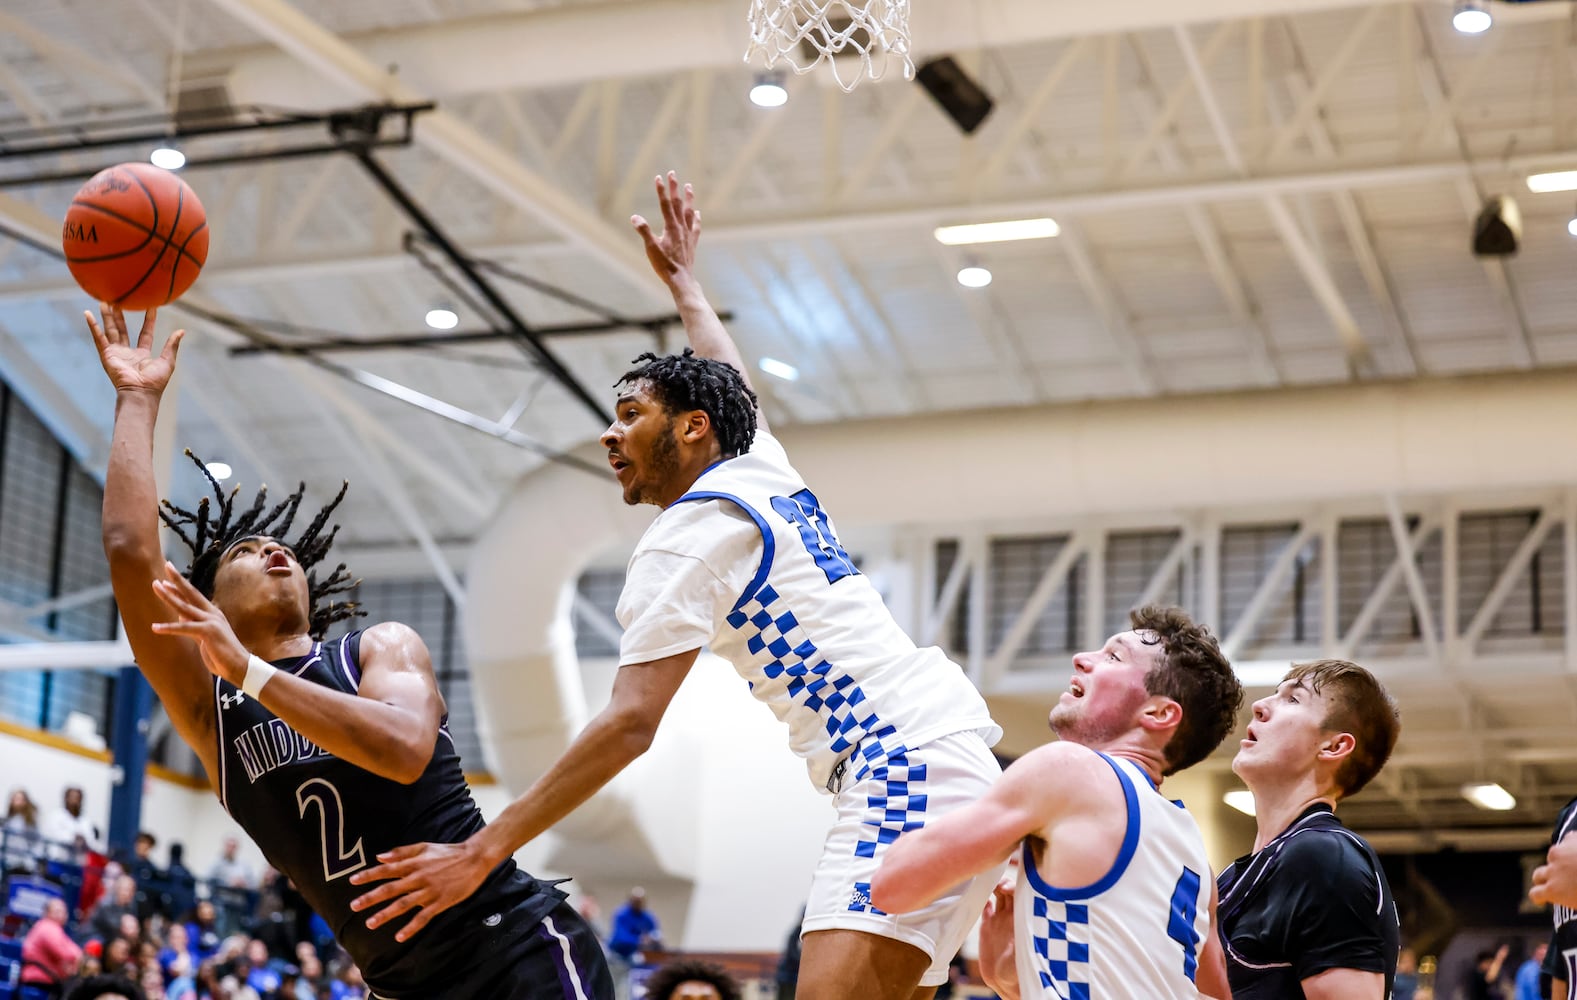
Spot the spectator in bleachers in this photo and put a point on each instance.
(105, 921)
(203, 931)
(180, 977)
(176, 944)
(634, 931)
(691, 980)
(230, 871)
(141, 866)
(48, 953)
(119, 958)
(23, 839)
(265, 975)
(72, 835)
(182, 884)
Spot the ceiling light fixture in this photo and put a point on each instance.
(1488, 795)
(167, 157)
(442, 318)
(219, 470)
(1560, 180)
(974, 276)
(1472, 17)
(997, 232)
(769, 91)
(1241, 799)
(1571, 227)
(780, 369)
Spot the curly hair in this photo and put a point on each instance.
(666, 980)
(94, 987)
(211, 537)
(687, 381)
(1358, 704)
(1197, 676)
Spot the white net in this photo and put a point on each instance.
(857, 38)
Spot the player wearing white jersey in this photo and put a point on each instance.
(1114, 896)
(744, 559)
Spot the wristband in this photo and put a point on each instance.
(258, 673)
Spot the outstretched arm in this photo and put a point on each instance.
(672, 256)
(1211, 977)
(998, 948)
(131, 526)
(431, 878)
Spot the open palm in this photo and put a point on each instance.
(133, 366)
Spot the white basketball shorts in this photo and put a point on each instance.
(885, 793)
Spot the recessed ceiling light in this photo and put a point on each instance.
(1571, 227)
(1560, 180)
(997, 232)
(442, 318)
(780, 369)
(974, 276)
(219, 470)
(1472, 17)
(167, 157)
(1489, 795)
(1241, 799)
(769, 91)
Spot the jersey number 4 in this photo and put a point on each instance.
(339, 860)
(804, 512)
(1180, 928)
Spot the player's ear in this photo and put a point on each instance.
(1337, 746)
(1161, 712)
(694, 426)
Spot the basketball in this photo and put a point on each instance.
(135, 236)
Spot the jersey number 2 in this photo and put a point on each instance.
(1180, 928)
(804, 512)
(338, 861)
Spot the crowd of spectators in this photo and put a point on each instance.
(232, 935)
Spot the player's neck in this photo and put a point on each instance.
(1152, 762)
(691, 465)
(275, 643)
(1277, 808)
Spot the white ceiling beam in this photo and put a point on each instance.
(644, 165)
(1207, 96)
(575, 43)
(1176, 98)
(1007, 143)
(100, 65)
(1321, 282)
(443, 134)
(1333, 73)
(1129, 350)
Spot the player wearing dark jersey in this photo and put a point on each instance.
(1309, 913)
(328, 755)
(1560, 960)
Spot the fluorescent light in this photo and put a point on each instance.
(974, 277)
(769, 91)
(1471, 17)
(997, 232)
(442, 318)
(167, 157)
(1560, 180)
(219, 470)
(1571, 227)
(780, 369)
(1242, 800)
(1488, 795)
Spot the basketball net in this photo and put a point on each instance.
(857, 37)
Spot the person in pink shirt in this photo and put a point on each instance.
(48, 953)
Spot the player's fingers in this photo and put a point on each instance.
(416, 923)
(191, 630)
(115, 334)
(377, 873)
(382, 894)
(402, 905)
(402, 853)
(121, 325)
(644, 229)
(99, 340)
(172, 347)
(145, 335)
(666, 201)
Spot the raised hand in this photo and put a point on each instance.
(1555, 882)
(133, 366)
(672, 252)
(198, 620)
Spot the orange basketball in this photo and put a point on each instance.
(135, 236)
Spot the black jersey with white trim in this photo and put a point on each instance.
(1560, 961)
(1314, 899)
(318, 819)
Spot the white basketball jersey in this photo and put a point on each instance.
(1135, 933)
(813, 637)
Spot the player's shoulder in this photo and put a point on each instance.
(1565, 821)
(1324, 852)
(1064, 770)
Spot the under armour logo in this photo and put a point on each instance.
(231, 701)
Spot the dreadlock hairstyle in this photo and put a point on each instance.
(211, 536)
(689, 382)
